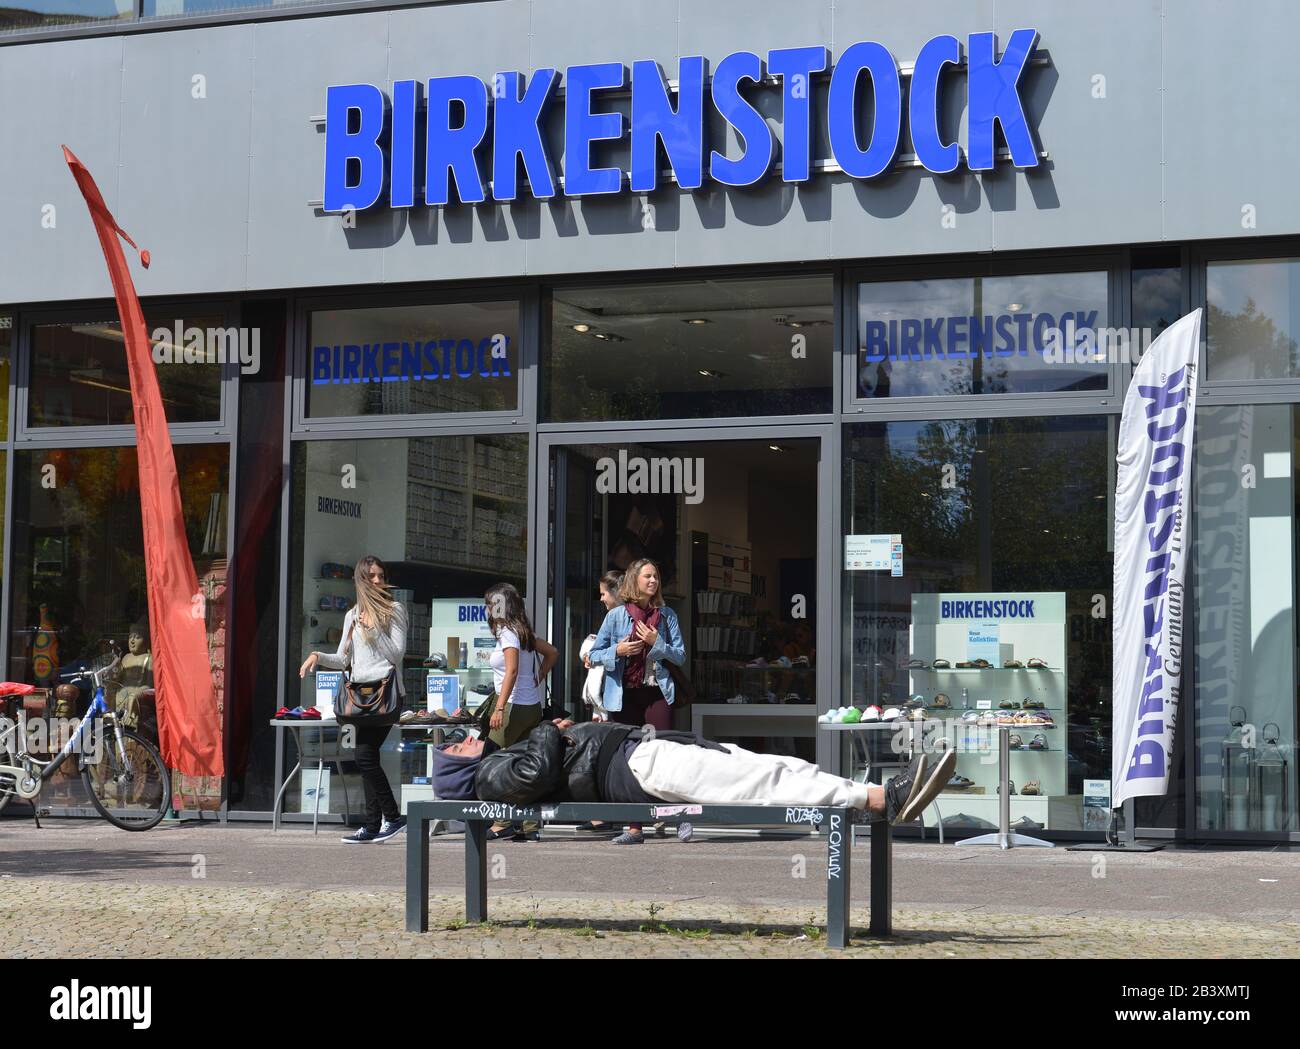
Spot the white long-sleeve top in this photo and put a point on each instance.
(595, 681)
(370, 659)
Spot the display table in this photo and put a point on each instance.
(282, 782)
(874, 758)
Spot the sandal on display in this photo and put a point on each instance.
(917, 664)
(941, 664)
(1033, 787)
(972, 716)
(1015, 741)
(1037, 664)
(1011, 787)
(1013, 664)
(1008, 704)
(285, 714)
(965, 665)
(942, 702)
(1039, 742)
(1033, 704)
(981, 664)
(960, 783)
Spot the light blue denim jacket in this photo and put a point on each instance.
(616, 627)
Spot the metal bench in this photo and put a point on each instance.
(833, 823)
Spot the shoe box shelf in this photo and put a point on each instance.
(1042, 636)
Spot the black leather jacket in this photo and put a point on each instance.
(550, 765)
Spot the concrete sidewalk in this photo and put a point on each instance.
(87, 889)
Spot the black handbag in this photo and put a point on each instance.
(370, 702)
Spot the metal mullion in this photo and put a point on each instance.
(6, 576)
(668, 426)
(426, 429)
(1034, 406)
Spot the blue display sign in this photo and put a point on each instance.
(475, 136)
(408, 361)
(970, 335)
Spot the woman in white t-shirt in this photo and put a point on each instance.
(520, 663)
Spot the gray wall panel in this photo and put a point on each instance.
(184, 184)
(290, 244)
(1102, 182)
(1231, 85)
(46, 103)
(219, 189)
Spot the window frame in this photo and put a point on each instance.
(1113, 263)
(523, 295)
(26, 434)
(1238, 391)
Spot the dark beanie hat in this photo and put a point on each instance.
(453, 775)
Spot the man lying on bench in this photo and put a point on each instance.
(603, 761)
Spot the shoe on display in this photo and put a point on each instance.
(1008, 704)
(737, 699)
(965, 821)
(286, 714)
(1011, 787)
(852, 716)
(436, 661)
(1014, 741)
(972, 716)
(783, 661)
(793, 697)
(941, 701)
(1033, 704)
(759, 662)
(1033, 787)
(959, 782)
(872, 713)
(361, 837)
(1025, 823)
(800, 661)
(892, 714)
(1039, 742)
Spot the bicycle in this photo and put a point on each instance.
(124, 775)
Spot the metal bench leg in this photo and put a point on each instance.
(417, 875)
(882, 878)
(475, 870)
(839, 865)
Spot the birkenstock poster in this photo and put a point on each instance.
(1152, 518)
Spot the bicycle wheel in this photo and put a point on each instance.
(131, 787)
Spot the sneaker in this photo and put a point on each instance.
(684, 831)
(362, 837)
(904, 803)
(629, 838)
(900, 790)
(389, 830)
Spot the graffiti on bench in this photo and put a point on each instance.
(834, 841)
(664, 811)
(493, 810)
(813, 817)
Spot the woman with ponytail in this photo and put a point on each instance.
(374, 642)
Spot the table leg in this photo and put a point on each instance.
(320, 774)
(417, 875)
(882, 879)
(839, 858)
(279, 776)
(475, 869)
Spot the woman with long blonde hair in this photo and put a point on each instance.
(373, 644)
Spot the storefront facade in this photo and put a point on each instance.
(775, 332)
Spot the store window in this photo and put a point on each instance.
(1252, 319)
(37, 14)
(79, 373)
(1245, 647)
(79, 577)
(449, 517)
(414, 360)
(705, 349)
(1034, 333)
(987, 543)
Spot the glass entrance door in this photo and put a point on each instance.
(733, 525)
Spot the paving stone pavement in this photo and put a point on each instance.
(67, 918)
(88, 890)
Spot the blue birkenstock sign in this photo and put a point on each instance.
(458, 138)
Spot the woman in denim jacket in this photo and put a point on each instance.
(635, 643)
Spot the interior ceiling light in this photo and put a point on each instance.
(609, 336)
(709, 373)
(778, 448)
(1015, 307)
(697, 320)
(584, 328)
